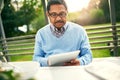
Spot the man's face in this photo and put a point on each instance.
(57, 15)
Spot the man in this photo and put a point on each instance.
(61, 36)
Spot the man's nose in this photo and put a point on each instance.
(58, 18)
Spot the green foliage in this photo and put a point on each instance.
(31, 13)
(12, 19)
(26, 13)
(8, 17)
(104, 5)
(97, 12)
(93, 16)
(96, 16)
(9, 75)
(38, 22)
(117, 9)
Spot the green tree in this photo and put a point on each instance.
(39, 21)
(9, 17)
(27, 13)
(117, 10)
(104, 5)
(12, 19)
(96, 16)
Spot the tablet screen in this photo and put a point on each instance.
(59, 59)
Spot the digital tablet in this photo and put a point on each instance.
(59, 59)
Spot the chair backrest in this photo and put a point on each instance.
(2, 57)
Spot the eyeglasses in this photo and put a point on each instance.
(55, 15)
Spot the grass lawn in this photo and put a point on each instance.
(21, 58)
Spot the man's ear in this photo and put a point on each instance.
(47, 13)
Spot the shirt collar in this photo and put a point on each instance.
(55, 29)
(57, 32)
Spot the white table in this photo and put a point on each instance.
(99, 69)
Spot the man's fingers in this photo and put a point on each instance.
(73, 61)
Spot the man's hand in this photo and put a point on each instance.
(74, 62)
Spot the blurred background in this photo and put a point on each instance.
(23, 18)
(27, 16)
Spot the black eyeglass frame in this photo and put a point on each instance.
(55, 15)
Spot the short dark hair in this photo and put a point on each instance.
(53, 2)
